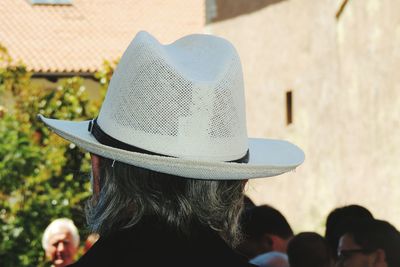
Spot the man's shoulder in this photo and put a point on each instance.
(152, 248)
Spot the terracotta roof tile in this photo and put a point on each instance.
(77, 38)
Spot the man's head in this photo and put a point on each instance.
(60, 242)
(265, 229)
(309, 249)
(129, 194)
(369, 243)
(339, 219)
(170, 141)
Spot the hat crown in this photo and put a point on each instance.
(183, 100)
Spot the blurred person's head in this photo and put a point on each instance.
(271, 259)
(60, 242)
(339, 219)
(248, 202)
(309, 249)
(369, 243)
(265, 229)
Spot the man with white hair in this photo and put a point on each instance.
(171, 156)
(60, 242)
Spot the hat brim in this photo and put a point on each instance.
(267, 157)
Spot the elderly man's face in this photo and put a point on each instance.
(61, 250)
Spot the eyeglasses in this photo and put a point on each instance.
(346, 254)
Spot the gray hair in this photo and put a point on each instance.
(54, 228)
(129, 193)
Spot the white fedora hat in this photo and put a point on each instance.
(180, 109)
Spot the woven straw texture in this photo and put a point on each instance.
(183, 100)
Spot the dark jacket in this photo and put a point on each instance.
(151, 245)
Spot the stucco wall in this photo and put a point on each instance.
(346, 103)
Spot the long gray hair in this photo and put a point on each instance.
(129, 193)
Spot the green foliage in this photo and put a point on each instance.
(104, 75)
(13, 76)
(42, 177)
(18, 158)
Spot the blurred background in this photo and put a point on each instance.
(321, 74)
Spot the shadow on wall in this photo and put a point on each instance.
(218, 10)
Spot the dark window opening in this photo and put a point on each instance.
(289, 108)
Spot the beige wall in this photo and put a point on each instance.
(346, 102)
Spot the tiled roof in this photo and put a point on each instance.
(78, 37)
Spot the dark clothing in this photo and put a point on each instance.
(151, 245)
